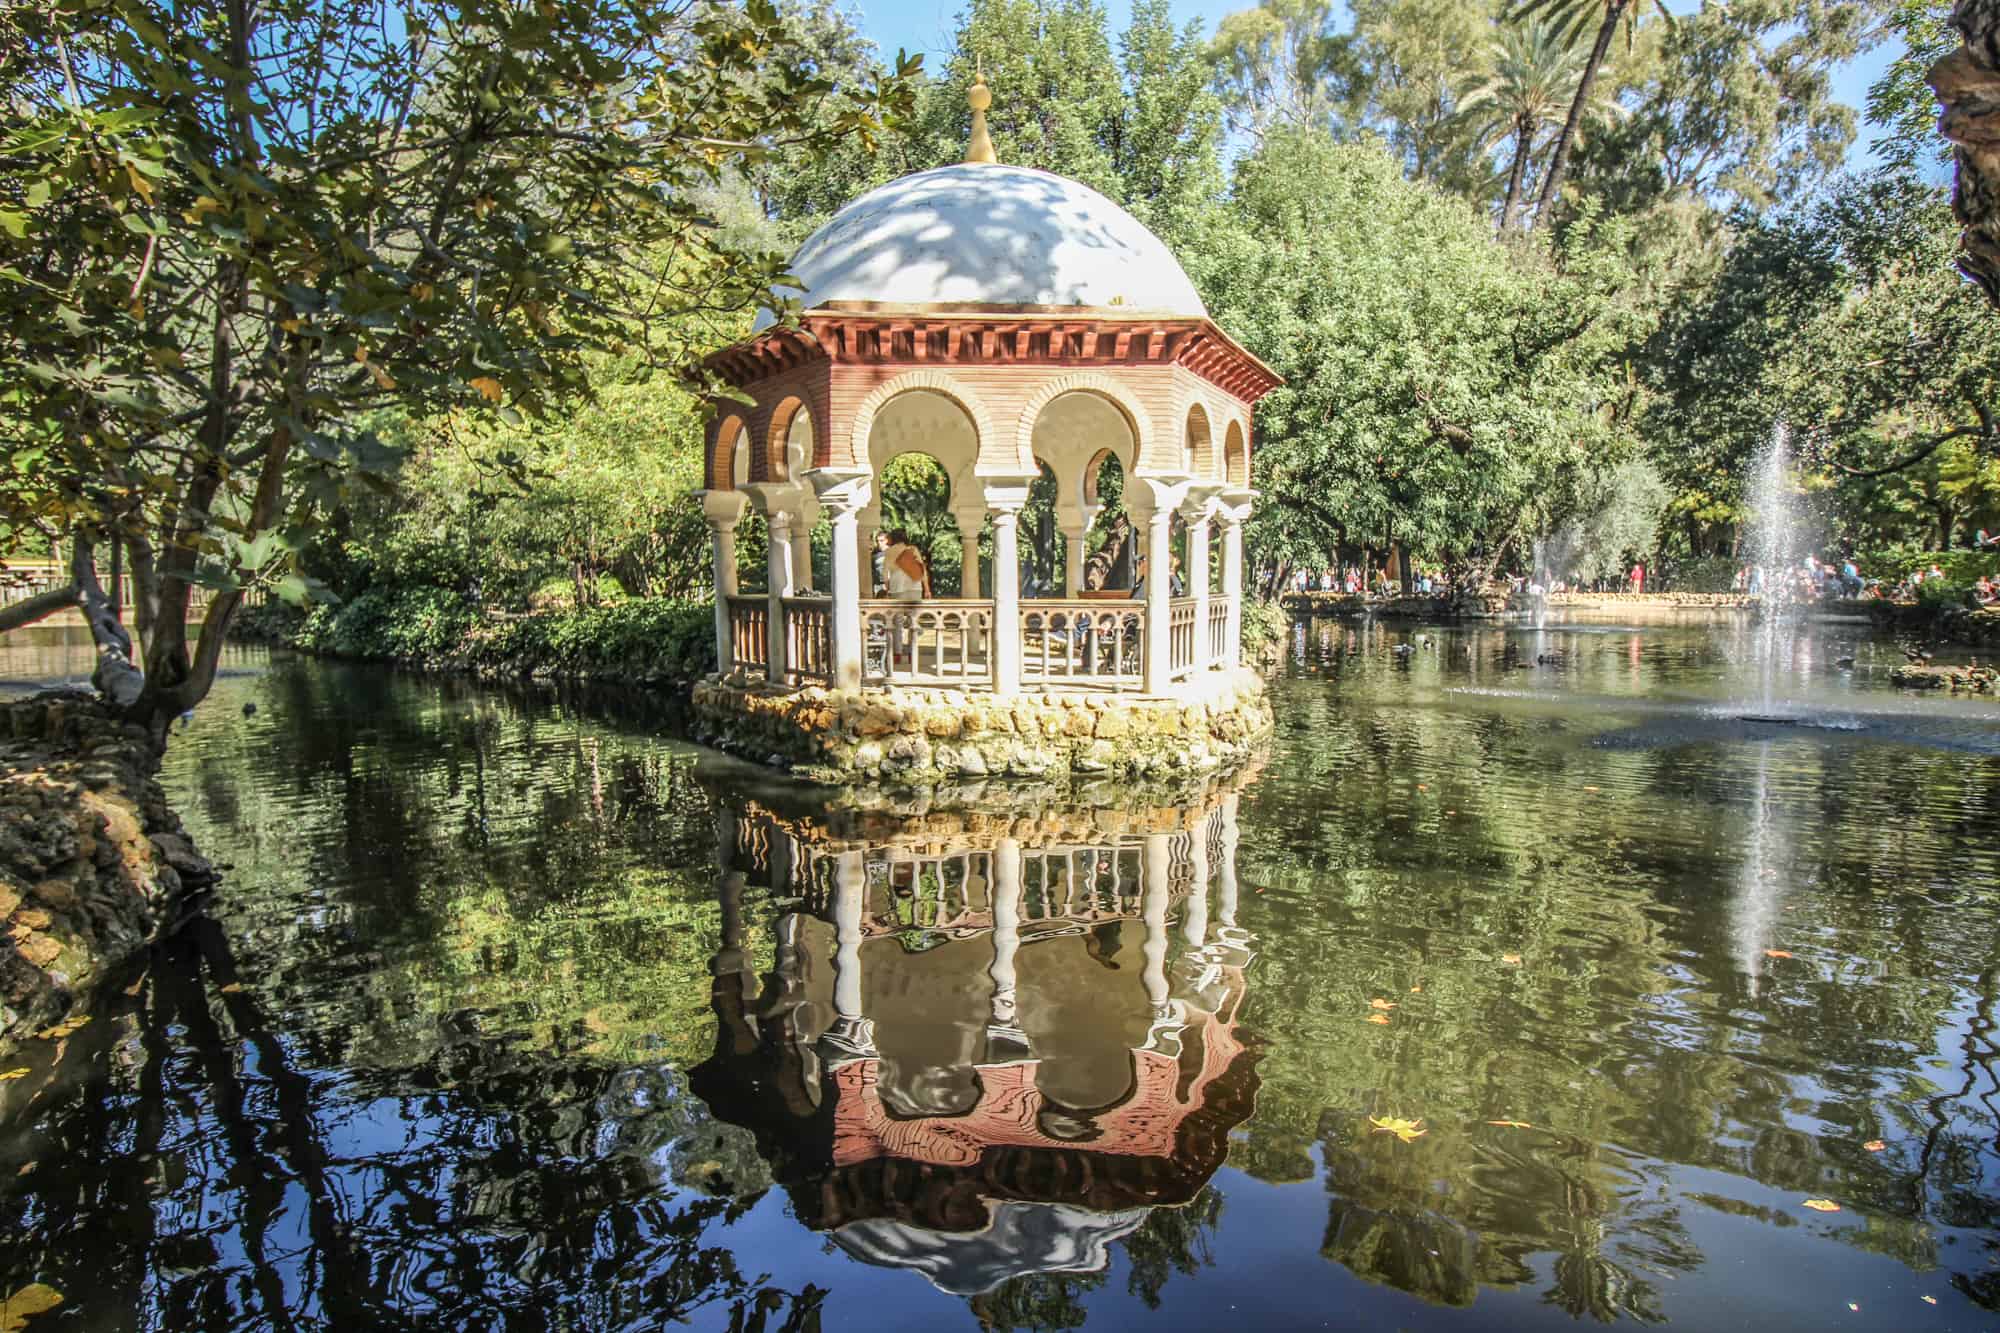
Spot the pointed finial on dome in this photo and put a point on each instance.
(979, 97)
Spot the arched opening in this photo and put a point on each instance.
(1198, 445)
(1235, 456)
(1041, 541)
(789, 446)
(1110, 547)
(922, 446)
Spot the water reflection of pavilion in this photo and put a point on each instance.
(985, 1046)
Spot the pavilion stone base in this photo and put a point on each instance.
(915, 735)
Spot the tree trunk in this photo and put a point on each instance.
(1551, 190)
(1967, 82)
(1524, 137)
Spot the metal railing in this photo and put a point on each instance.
(927, 643)
(1083, 641)
(809, 639)
(749, 631)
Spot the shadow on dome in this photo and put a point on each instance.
(989, 235)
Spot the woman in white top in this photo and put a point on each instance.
(909, 578)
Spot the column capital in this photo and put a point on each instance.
(842, 490)
(1005, 495)
(723, 509)
(1147, 496)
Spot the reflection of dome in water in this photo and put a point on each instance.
(1022, 1238)
(994, 235)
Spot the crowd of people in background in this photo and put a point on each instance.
(1811, 579)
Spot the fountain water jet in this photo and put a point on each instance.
(1773, 546)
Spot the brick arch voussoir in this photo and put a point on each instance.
(777, 435)
(721, 471)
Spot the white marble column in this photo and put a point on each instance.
(1004, 503)
(842, 496)
(1197, 574)
(968, 541)
(723, 510)
(722, 540)
(802, 553)
(1159, 594)
(1073, 537)
(868, 523)
(778, 568)
(1233, 581)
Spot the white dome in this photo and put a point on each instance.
(988, 234)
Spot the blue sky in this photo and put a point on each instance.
(926, 26)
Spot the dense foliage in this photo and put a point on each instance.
(233, 237)
(1539, 277)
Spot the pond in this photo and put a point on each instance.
(1526, 983)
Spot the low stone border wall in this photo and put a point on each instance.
(920, 736)
(92, 862)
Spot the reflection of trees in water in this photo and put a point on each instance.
(499, 1187)
(1632, 1018)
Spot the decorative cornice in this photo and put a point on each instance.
(1080, 337)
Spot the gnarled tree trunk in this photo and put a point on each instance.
(1967, 82)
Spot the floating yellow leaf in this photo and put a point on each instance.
(1383, 1019)
(25, 1169)
(1416, 990)
(489, 388)
(13, 1073)
(382, 377)
(1874, 1145)
(1422, 787)
(1381, 1004)
(33, 1299)
(1511, 1124)
(136, 987)
(361, 354)
(1590, 789)
(1777, 953)
(1822, 1205)
(290, 325)
(1406, 1130)
(1928, 1300)
(1513, 959)
(232, 988)
(1852, 1306)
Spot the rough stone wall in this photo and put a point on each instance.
(1968, 84)
(922, 736)
(92, 862)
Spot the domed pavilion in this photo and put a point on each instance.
(1013, 325)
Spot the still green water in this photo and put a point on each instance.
(514, 1012)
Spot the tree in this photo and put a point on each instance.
(1442, 392)
(1845, 319)
(1573, 16)
(1274, 65)
(1901, 102)
(231, 235)
(1534, 79)
(1736, 107)
(1965, 81)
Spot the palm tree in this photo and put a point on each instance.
(1534, 77)
(1571, 18)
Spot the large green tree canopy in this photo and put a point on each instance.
(1444, 391)
(231, 234)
